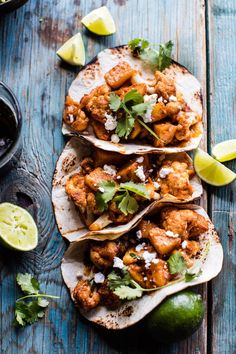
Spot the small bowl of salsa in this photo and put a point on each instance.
(11, 124)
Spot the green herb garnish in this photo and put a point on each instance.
(29, 312)
(176, 263)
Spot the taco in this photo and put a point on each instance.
(97, 192)
(120, 103)
(115, 283)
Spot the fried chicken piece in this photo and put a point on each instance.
(85, 296)
(129, 171)
(159, 112)
(165, 87)
(97, 102)
(76, 189)
(177, 182)
(119, 74)
(74, 116)
(157, 274)
(141, 88)
(100, 131)
(108, 298)
(162, 243)
(103, 157)
(102, 253)
(87, 165)
(185, 121)
(184, 222)
(166, 133)
(94, 178)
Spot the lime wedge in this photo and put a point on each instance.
(100, 22)
(17, 228)
(73, 51)
(212, 171)
(225, 151)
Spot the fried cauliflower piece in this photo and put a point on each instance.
(184, 222)
(74, 116)
(76, 189)
(97, 103)
(95, 177)
(141, 88)
(166, 133)
(165, 87)
(177, 182)
(102, 253)
(100, 131)
(84, 295)
(119, 74)
(185, 121)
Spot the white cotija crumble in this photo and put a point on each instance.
(115, 139)
(172, 98)
(140, 159)
(111, 122)
(164, 171)
(99, 278)
(139, 234)
(110, 170)
(171, 234)
(118, 263)
(140, 173)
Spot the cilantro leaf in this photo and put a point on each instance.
(137, 188)
(128, 293)
(138, 42)
(115, 280)
(128, 204)
(150, 56)
(176, 263)
(125, 126)
(141, 108)
(27, 283)
(193, 272)
(133, 96)
(115, 102)
(102, 198)
(28, 313)
(164, 57)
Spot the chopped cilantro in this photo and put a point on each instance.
(137, 188)
(193, 272)
(128, 204)
(176, 263)
(108, 191)
(115, 102)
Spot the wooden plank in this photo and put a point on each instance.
(28, 41)
(222, 61)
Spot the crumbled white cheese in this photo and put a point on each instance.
(99, 278)
(111, 122)
(171, 234)
(155, 261)
(118, 177)
(71, 118)
(151, 170)
(144, 278)
(148, 258)
(101, 189)
(165, 101)
(164, 171)
(115, 139)
(160, 99)
(139, 234)
(110, 170)
(138, 248)
(118, 263)
(172, 98)
(147, 117)
(156, 185)
(184, 244)
(140, 173)
(140, 159)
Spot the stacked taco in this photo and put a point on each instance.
(122, 184)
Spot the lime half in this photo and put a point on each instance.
(73, 51)
(17, 228)
(212, 171)
(100, 22)
(225, 151)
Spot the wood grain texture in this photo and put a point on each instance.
(28, 41)
(222, 83)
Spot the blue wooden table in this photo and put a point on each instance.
(204, 34)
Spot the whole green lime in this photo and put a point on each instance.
(176, 318)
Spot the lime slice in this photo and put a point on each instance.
(100, 22)
(225, 151)
(212, 171)
(17, 228)
(73, 51)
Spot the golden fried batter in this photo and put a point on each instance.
(97, 102)
(74, 116)
(103, 253)
(84, 296)
(165, 87)
(95, 177)
(184, 222)
(77, 191)
(185, 121)
(166, 133)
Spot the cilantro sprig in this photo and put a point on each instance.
(176, 263)
(27, 313)
(126, 203)
(133, 106)
(157, 59)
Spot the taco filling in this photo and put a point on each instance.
(158, 252)
(126, 107)
(111, 188)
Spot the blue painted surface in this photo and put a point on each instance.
(205, 43)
